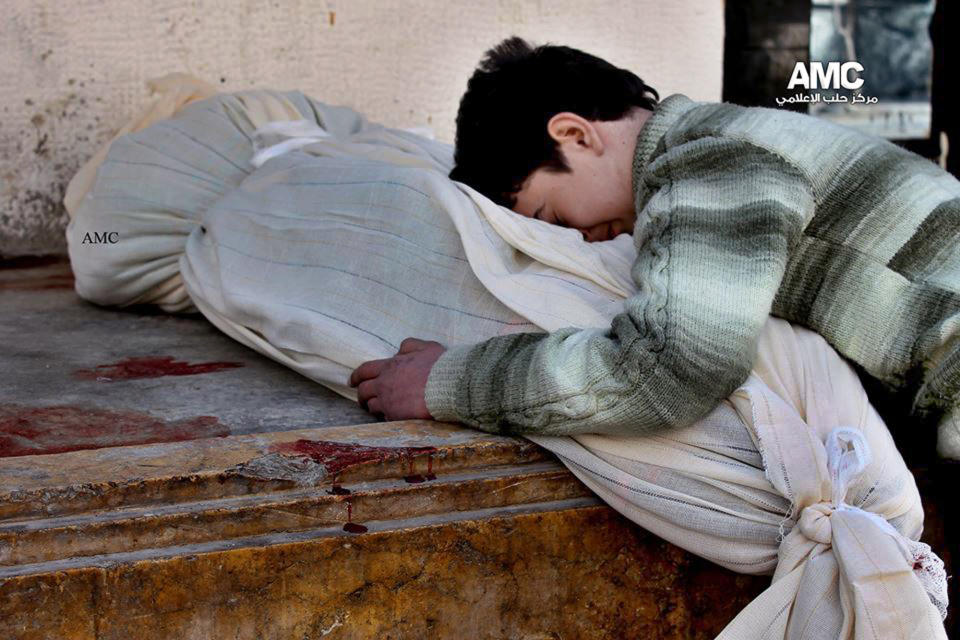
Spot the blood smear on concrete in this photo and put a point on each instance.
(151, 367)
(41, 430)
(336, 456)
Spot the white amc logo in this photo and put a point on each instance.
(833, 77)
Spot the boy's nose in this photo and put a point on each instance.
(598, 232)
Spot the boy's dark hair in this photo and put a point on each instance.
(502, 121)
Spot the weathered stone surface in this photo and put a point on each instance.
(391, 530)
(560, 573)
(210, 469)
(78, 376)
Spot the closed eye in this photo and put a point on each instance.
(538, 214)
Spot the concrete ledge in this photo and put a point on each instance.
(116, 499)
(464, 535)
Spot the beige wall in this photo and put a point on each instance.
(73, 71)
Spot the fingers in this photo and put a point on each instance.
(411, 344)
(375, 407)
(367, 370)
(372, 368)
(366, 391)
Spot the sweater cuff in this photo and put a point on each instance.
(444, 380)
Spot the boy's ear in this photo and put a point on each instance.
(567, 127)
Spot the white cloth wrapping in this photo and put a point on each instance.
(351, 238)
(333, 252)
(723, 488)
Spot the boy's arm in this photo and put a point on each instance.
(713, 241)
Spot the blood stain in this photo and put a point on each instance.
(417, 478)
(337, 490)
(150, 367)
(336, 456)
(414, 478)
(41, 430)
(352, 527)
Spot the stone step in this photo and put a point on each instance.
(401, 529)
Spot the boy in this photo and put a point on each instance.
(736, 213)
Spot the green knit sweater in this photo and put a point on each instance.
(742, 213)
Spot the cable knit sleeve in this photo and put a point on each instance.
(717, 220)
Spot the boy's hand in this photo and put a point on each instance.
(393, 387)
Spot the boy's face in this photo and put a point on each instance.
(596, 196)
(584, 200)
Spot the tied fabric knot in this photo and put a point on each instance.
(815, 522)
(848, 454)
